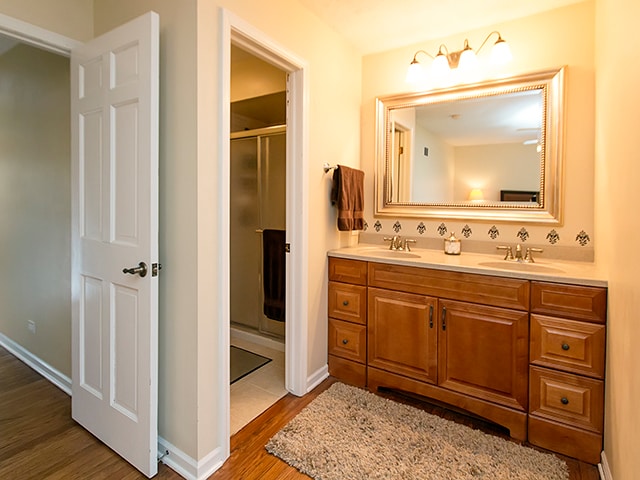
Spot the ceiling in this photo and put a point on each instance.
(380, 25)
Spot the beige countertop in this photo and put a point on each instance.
(580, 273)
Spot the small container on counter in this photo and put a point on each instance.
(452, 245)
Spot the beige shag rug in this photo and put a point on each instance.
(350, 434)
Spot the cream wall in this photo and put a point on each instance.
(35, 203)
(617, 227)
(564, 36)
(190, 334)
(494, 167)
(71, 18)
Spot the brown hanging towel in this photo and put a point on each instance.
(347, 194)
(273, 273)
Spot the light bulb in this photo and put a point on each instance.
(468, 60)
(440, 66)
(500, 53)
(415, 73)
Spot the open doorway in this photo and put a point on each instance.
(257, 204)
(241, 34)
(35, 207)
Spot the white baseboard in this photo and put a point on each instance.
(56, 377)
(257, 339)
(317, 377)
(184, 465)
(603, 468)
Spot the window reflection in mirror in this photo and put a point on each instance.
(485, 151)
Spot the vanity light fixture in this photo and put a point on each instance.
(464, 60)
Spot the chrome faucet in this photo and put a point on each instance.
(399, 243)
(406, 242)
(396, 242)
(528, 257)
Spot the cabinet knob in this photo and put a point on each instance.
(345, 302)
(565, 346)
(564, 400)
(345, 341)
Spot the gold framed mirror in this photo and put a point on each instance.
(490, 151)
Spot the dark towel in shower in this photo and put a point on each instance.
(348, 194)
(273, 273)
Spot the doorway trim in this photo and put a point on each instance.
(236, 30)
(37, 36)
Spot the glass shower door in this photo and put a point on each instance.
(258, 188)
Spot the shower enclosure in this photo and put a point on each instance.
(258, 200)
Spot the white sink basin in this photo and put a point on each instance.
(521, 267)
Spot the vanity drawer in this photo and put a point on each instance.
(569, 345)
(347, 271)
(467, 287)
(567, 398)
(348, 340)
(577, 302)
(348, 302)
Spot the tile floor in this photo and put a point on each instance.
(253, 394)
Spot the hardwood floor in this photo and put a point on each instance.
(39, 440)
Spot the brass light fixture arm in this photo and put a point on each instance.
(488, 36)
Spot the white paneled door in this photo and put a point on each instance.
(114, 107)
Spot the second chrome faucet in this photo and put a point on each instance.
(517, 257)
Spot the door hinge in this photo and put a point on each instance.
(155, 267)
(287, 248)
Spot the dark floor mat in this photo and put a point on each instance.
(243, 362)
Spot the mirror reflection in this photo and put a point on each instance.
(480, 150)
(490, 150)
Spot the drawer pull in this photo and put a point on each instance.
(430, 316)
(345, 302)
(564, 401)
(565, 346)
(345, 341)
(444, 319)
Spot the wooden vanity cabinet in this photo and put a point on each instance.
(347, 306)
(527, 355)
(567, 355)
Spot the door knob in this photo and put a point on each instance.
(141, 270)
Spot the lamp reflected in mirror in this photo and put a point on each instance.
(476, 195)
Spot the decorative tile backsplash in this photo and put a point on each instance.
(495, 233)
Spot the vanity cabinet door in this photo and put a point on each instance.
(483, 352)
(402, 333)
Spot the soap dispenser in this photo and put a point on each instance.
(452, 245)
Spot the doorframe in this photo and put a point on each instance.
(37, 36)
(236, 30)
